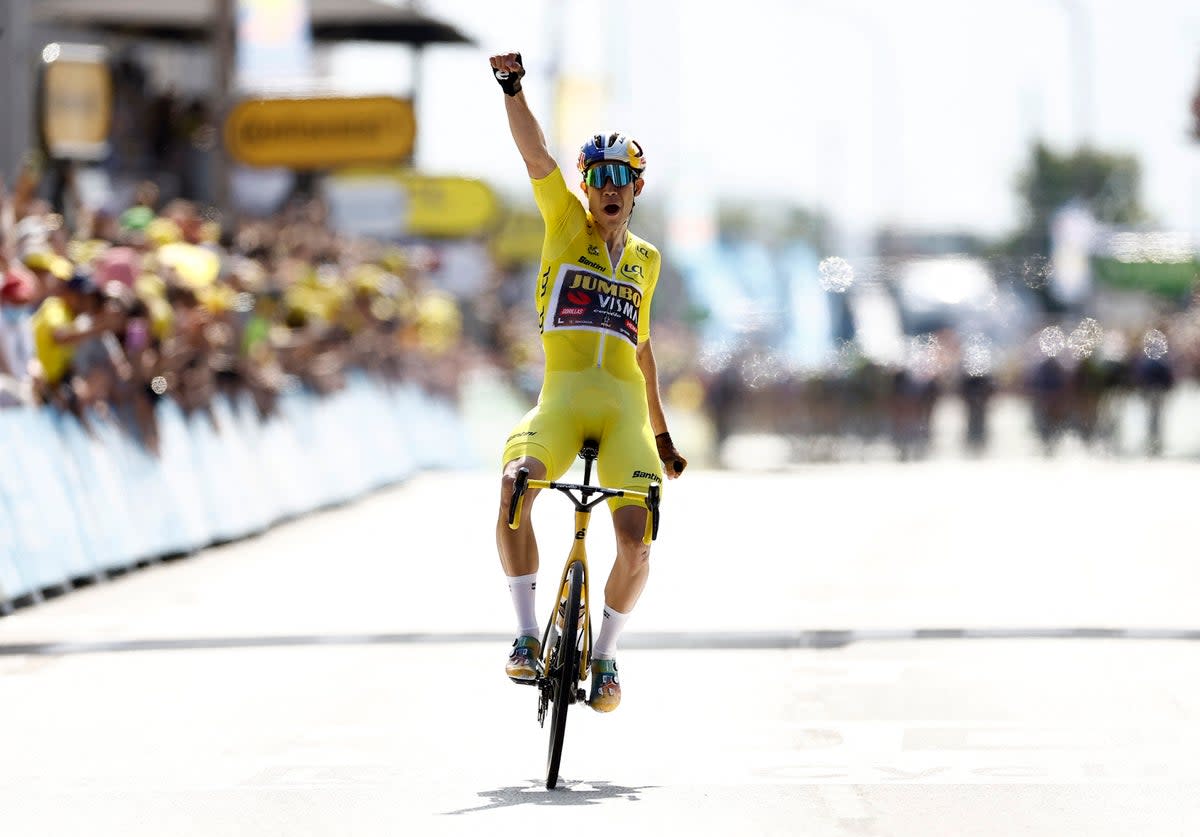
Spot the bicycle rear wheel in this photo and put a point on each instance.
(564, 672)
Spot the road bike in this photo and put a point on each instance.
(567, 640)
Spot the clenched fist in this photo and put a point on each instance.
(507, 69)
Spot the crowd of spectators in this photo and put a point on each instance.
(110, 312)
(105, 314)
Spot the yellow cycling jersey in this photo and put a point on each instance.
(592, 317)
(591, 314)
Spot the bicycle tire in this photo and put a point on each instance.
(565, 672)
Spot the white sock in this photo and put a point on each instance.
(522, 588)
(606, 645)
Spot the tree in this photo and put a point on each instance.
(1107, 184)
(773, 222)
(1196, 115)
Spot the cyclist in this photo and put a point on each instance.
(593, 297)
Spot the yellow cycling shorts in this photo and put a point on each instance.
(591, 403)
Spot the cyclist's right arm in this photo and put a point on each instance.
(526, 131)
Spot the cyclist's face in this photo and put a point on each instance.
(611, 204)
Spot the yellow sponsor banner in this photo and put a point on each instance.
(320, 133)
(519, 238)
(76, 101)
(434, 206)
(448, 206)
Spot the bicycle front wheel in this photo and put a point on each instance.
(564, 672)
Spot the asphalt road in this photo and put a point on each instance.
(948, 648)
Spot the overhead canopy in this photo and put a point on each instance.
(193, 20)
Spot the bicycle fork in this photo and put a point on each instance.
(578, 555)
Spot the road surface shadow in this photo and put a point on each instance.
(568, 792)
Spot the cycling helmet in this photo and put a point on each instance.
(612, 147)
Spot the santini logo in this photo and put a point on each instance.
(644, 475)
(586, 261)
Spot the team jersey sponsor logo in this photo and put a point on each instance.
(632, 271)
(581, 300)
(646, 475)
(584, 260)
(593, 250)
(643, 251)
(520, 434)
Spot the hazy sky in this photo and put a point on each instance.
(918, 113)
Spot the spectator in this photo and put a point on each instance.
(137, 217)
(18, 292)
(1153, 378)
(70, 317)
(977, 388)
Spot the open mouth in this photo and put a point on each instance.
(611, 209)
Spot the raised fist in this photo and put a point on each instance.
(508, 70)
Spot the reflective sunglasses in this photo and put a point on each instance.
(619, 174)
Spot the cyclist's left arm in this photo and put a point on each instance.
(672, 459)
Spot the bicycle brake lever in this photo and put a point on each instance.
(518, 498)
(652, 500)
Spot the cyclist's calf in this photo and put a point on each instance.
(632, 567)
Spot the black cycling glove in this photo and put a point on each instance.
(669, 454)
(510, 83)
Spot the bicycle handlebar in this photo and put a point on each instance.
(523, 483)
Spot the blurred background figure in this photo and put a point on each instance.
(1048, 392)
(977, 388)
(1153, 379)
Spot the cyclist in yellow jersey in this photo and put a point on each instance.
(593, 295)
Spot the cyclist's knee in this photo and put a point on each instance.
(629, 523)
(632, 552)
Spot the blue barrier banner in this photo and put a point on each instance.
(77, 472)
(235, 481)
(12, 584)
(214, 479)
(265, 504)
(50, 552)
(79, 499)
(292, 458)
(181, 482)
(110, 451)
